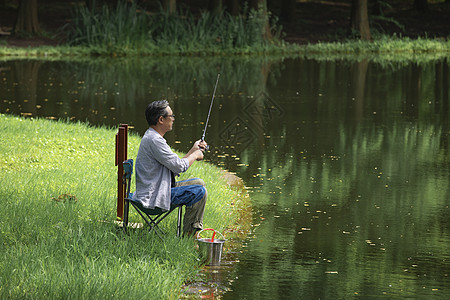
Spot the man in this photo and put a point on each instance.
(157, 165)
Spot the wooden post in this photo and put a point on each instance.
(121, 156)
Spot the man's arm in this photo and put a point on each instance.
(161, 152)
(193, 156)
(198, 145)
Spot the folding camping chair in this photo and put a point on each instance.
(151, 216)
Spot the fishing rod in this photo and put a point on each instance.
(209, 112)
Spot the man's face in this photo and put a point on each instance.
(168, 121)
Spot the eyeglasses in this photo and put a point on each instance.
(171, 116)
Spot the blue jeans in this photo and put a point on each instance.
(193, 194)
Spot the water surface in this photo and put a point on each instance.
(347, 163)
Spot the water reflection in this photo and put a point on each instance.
(331, 224)
(347, 163)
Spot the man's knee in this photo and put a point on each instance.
(191, 181)
(205, 194)
(199, 181)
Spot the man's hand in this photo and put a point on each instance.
(196, 152)
(203, 145)
(199, 154)
(194, 155)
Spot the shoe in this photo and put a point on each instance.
(192, 233)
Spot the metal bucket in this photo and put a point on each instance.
(211, 248)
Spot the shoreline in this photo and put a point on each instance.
(385, 48)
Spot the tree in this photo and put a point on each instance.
(27, 17)
(359, 20)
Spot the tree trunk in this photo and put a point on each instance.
(27, 17)
(359, 81)
(170, 6)
(27, 76)
(359, 20)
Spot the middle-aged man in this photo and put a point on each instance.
(157, 165)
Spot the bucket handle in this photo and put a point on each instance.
(214, 234)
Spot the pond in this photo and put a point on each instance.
(347, 162)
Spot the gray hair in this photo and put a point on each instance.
(155, 110)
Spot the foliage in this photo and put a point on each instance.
(57, 237)
(116, 28)
(128, 29)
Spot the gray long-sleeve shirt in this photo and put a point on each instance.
(154, 162)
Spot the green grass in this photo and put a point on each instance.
(384, 49)
(383, 45)
(72, 247)
(388, 48)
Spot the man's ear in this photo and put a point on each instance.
(160, 119)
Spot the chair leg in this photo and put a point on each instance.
(158, 231)
(125, 214)
(152, 222)
(180, 213)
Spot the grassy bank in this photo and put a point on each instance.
(382, 47)
(58, 238)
